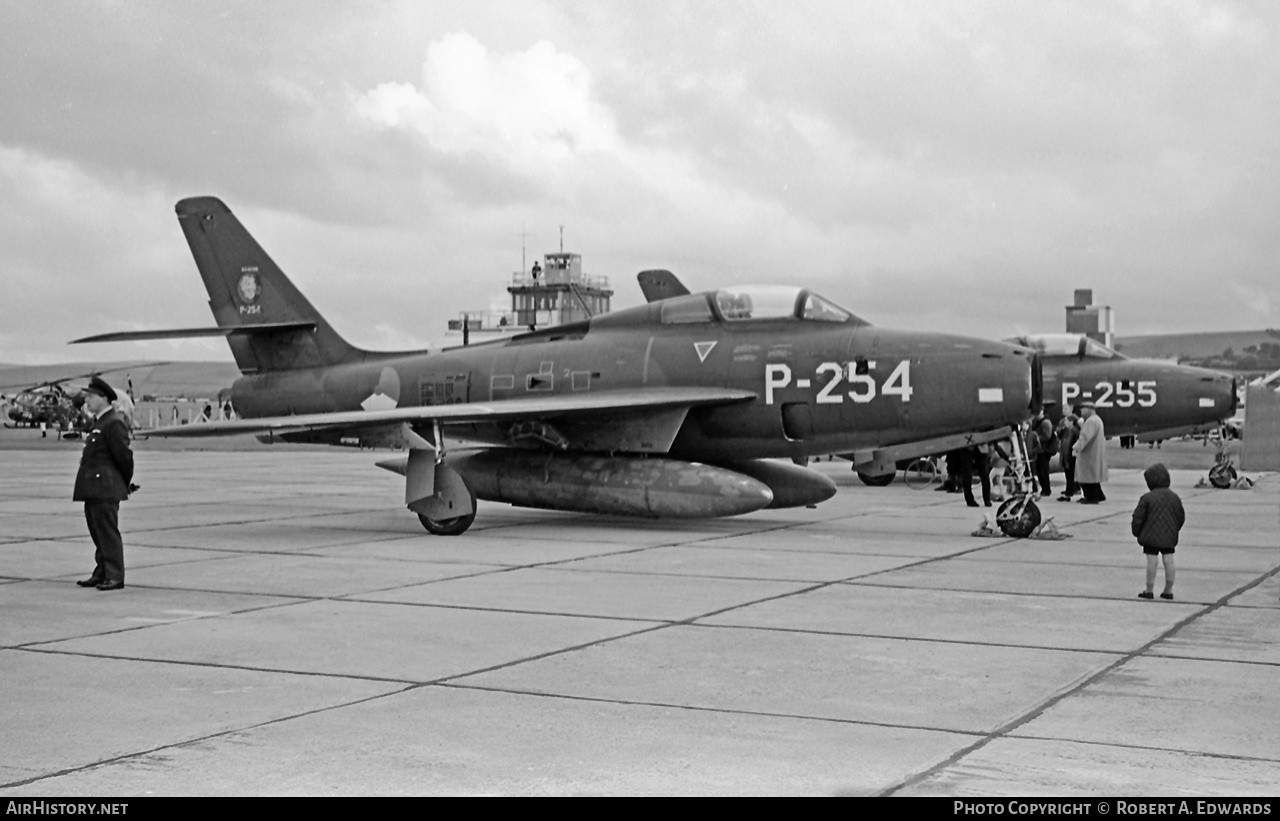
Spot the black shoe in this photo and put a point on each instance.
(1166, 596)
(1086, 501)
(90, 582)
(111, 586)
(1145, 594)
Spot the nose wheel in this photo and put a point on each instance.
(1018, 517)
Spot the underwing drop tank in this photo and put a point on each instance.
(618, 485)
(791, 485)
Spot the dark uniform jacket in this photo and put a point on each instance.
(106, 465)
(1159, 514)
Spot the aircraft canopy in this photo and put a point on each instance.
(777, 302)
(755, 302)
(1067, 345)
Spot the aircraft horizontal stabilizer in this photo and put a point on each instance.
(187, 333)
(572, 405)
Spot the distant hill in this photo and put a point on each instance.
(1228, 350)
(170, 380)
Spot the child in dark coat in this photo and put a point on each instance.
(1156, 522)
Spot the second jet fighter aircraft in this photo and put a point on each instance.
(1146, 398)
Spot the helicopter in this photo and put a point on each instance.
(52, 405)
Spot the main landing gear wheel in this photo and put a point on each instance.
(1018, 523)
(450, 527)
(447, 527)
(876, 481)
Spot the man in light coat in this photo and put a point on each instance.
(1090, 451)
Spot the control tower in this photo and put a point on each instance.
(553, 292)
(557, 292)
(1094, 321)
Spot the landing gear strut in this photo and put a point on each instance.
(448, 487)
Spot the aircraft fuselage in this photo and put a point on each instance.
(1137, 396)
(821, 387)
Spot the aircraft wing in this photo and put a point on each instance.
(579, 408)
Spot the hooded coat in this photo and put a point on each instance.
(1091, 452)
(1159, 515)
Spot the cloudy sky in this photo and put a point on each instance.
(950, 165)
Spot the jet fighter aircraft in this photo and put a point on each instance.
(1147, 398)
(669, 409)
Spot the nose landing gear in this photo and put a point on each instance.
(1018, 517)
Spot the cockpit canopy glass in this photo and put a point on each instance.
(1067, 345)
(683, 310)
(778, 302)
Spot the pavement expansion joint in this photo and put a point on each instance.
(1005, 645)
(695, 708)
(1124, 658)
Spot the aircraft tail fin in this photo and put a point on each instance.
(268, 323)
(659, 283)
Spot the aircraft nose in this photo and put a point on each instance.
(1218, 393)
(1009, 382)
(943, 384)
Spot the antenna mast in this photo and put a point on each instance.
(523, 235)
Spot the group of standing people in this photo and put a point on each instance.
(1080, 442)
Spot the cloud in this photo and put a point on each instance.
(528, 120)
(919, 161)
(531, 110)
(81, 255)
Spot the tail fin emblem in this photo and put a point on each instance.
(249, 287)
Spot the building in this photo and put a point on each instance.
(554, 292)
(1095, 322)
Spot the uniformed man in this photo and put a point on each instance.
(103, 481)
